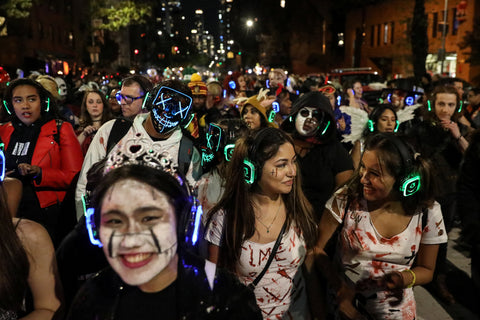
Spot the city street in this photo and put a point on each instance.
(460, 284)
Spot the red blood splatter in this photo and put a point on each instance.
(426, 229)
(418, 230)
(377, 266)
(371, 237)
(390, 241)
(102, 141)
(413, 248)
(380, 255)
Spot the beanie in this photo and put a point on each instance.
(198, 87)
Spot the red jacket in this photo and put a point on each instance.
(59, 163)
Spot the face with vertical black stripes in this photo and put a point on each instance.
(138, 231)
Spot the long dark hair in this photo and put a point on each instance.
(14, 264)
(237, 203)
(85, 118)
(392, 161)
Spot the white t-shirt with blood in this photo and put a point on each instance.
(366, 254)
(281, 292)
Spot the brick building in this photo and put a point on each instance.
(378, 36)
(52, 38)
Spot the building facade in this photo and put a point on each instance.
(378, 36)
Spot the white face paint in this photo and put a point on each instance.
(138, 231)
(306, 121)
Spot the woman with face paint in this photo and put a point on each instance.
(264, 202)
(257, 112)
(140, 217)
(388, 219)
(324, 163)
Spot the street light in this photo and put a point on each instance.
(249, 23)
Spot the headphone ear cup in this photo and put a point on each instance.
(249, 171)
(397, 125)
(460, 106)
(190, 222)
(47, 105)
(371, 125)
(5, 104)
(429, 105)
(410, 184)
(92, 228)
(147, 102)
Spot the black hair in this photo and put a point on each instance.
(145, 84)
(376, 114)
(43, 94)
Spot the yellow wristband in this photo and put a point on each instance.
(414, 278)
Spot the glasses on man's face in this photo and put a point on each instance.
(128, 99)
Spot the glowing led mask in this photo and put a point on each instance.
(169, 108)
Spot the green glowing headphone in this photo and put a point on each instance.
(410, 182)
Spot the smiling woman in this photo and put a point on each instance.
(388, 219)
(145, 237)
(264, 204)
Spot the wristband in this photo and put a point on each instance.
(414, 278)
(458, 139)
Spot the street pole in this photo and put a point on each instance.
(444, 35)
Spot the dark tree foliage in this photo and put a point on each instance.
(419, 39)
(472, 40)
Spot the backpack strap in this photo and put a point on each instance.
(185, 154)
(56, 136)
(119, 130)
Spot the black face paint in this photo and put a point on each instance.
(110, 250)
(273, 171)
(155, 240)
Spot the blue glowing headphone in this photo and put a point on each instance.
(2, 162)
(188, 221)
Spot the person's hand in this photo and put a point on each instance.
(350, 93)
(451, 126)
(26, 169)
(89, 130)
(341, 124)
(345, 297)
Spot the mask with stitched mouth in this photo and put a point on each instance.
(169, 109)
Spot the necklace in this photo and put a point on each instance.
(274, 218)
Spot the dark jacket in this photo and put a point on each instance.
(229, 299)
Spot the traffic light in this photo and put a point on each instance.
(136, 51)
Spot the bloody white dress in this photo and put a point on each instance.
(366, 254)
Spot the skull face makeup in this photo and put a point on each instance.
(169, 108)
(138, 231)
(307, 121)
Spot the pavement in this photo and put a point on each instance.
(460, 284)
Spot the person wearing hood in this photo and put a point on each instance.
(324, 163)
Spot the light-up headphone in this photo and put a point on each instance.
(43, 94)
(410, 182)
(2, 162)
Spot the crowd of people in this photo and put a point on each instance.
(231, 198)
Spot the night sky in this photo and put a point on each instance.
(210, 11)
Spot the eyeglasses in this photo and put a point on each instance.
(128, 99)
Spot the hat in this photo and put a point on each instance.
(263, 104)
(198, 87)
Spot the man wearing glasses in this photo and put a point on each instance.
(130, 97)
(158, 115)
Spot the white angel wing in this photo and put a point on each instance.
(407, 113)
(359, 121)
